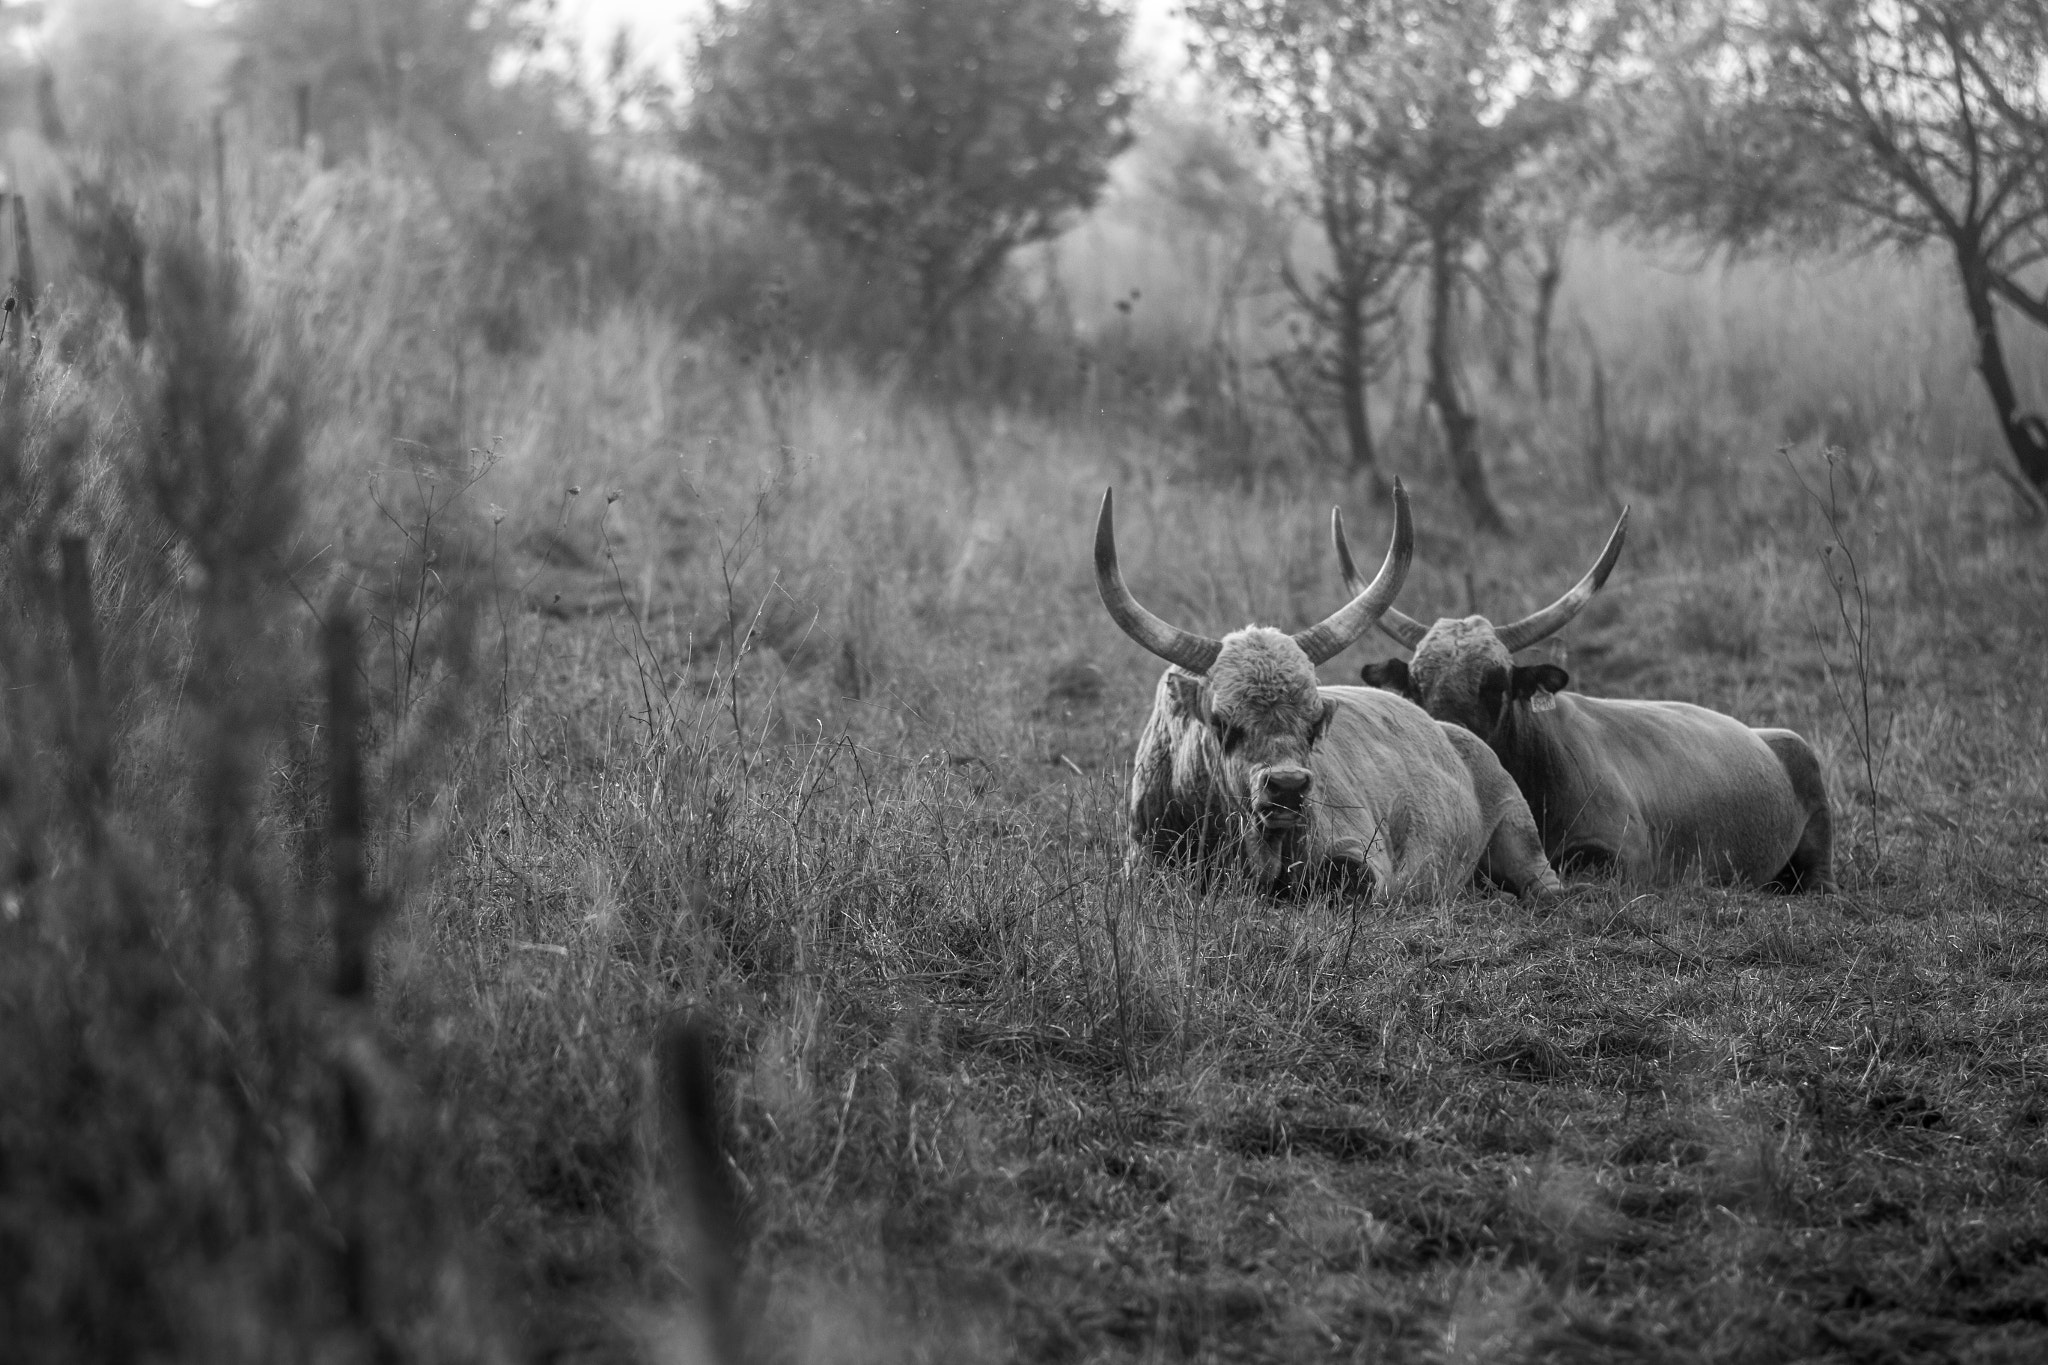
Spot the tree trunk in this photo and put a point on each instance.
(1461, 427)
(223, 231)
(1596, 456)
(2026, 435)
(1299, 404)
(46, 108)
(1346, 308)
(1351, 396)
(1498, 300)
(24, 272)
(1547, 281)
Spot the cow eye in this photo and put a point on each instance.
(1228, 735)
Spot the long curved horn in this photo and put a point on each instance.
(1393, 621)
(1191, 651)
(1340, 630)
(1555, 617)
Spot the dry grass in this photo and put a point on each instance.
(829, 742)
(995, 1102)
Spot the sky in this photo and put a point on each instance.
(657, 26)
(660, 27)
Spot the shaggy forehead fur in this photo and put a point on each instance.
(1262, 678)
(1455, 658)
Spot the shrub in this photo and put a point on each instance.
(929, 140)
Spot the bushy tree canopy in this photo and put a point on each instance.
(135, 78)
(929, 139)
(420, 67)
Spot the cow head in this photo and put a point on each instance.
(1463, 671)
(1256, 688)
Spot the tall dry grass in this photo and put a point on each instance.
(208, 1154)
(781, 694)
(883, 840)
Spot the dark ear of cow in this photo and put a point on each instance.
(1323, 721)
(1391, 674)
(1529, 679)
(1190, 695)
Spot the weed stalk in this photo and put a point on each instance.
(1856, 697)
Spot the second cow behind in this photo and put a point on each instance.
(1652, 790)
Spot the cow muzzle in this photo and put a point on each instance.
(1280, 799)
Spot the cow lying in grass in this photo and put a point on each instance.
(1653, 790)
(1247, 762)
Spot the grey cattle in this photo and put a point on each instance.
(1655, 790)
(1246, 759)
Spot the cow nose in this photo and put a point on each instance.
(1287, 786)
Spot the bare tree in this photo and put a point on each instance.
(1306, 70)
(1474, 88)
(1552, 193)
(431, 70)
(1816, 121)
(1412, 117)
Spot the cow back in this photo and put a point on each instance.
(1670, 785)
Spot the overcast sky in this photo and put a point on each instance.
(659, 26)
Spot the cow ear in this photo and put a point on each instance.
(1323, 721)
(1189, 695)
(1391, 674)
(1529, 679)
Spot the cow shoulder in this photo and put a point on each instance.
(1386, 708)
(1514, 858)
(1383, 728)
(1490, 781)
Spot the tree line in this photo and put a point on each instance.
(1440, 148)
(1429, 140)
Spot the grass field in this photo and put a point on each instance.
(989, 1098)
